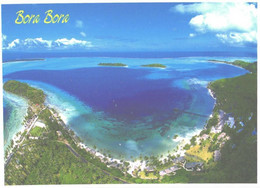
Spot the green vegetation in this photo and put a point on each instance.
(156, 65)
(37, 131)
(252, 67)
(193, 141)
(236, 95)
(238, 163)
(213, 121)
(49, 161)
(239, 155)
(113, 64)
(34, 95)
(187, 147)
(147, 175)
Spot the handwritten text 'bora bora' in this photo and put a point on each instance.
(34, 19)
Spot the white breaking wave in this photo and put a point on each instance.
(195, 81)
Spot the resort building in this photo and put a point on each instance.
(179, 160)
(169, 170)
(194, 166)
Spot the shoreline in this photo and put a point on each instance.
(211, 94)
(15, 139)
(135, 163)
(18, 132)
(225, 62)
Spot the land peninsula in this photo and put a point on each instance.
(48, 151)
(248, 66)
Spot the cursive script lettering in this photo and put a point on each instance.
(50, 18)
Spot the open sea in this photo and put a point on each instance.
(124, 111)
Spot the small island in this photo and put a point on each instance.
(113, 64)
(155, 65)
(29, 59)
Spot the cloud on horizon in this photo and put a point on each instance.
(233, 23)
(40, 43)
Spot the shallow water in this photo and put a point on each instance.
(126, 111)
(14, 110)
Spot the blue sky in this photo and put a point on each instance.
(134, 27)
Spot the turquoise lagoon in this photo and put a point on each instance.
(126, 112)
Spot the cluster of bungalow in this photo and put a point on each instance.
(178, 160)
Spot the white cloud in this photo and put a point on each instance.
(238, 38)
(64, 42)
(221, 16)
(29, 43)
(79, 23)
(83, 34)
(192, 35)
(39, 43)
(13, 44)
(235, 21)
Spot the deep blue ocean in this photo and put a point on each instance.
(125, 111)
